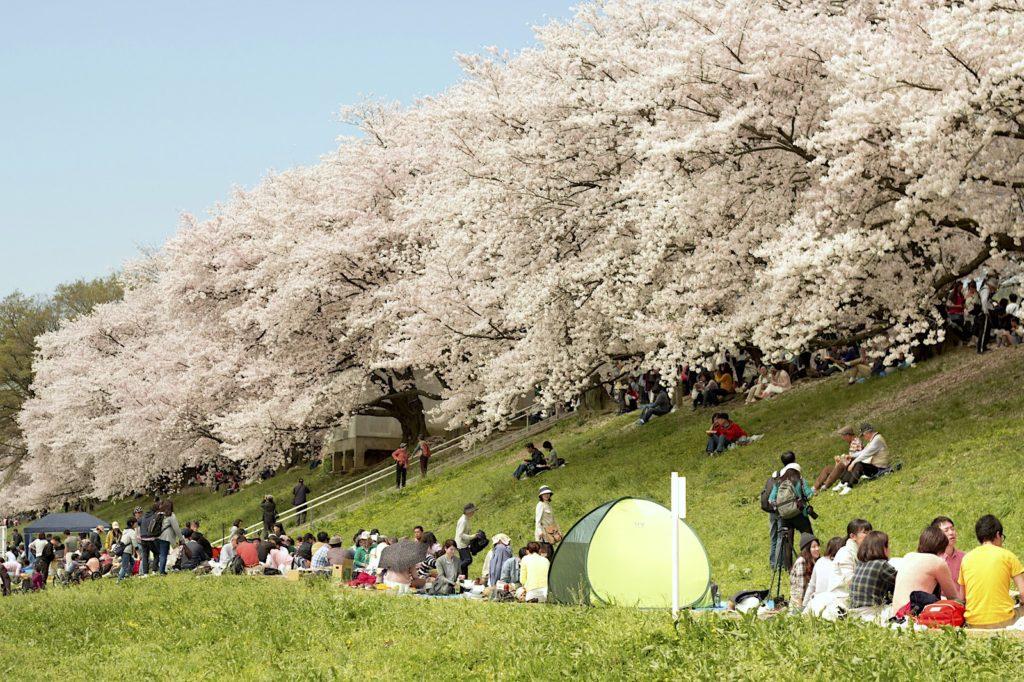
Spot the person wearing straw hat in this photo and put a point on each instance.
(545, 528)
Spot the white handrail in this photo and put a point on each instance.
(387, 470)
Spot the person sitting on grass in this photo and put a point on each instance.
(532, 465)
(659, 408)
(869, 461)
(985, 573)
(758, 385)
(553, 460)
(278, 558)
(726, 384)
(448, 577)
(846, 558)
(825, 578)
(361, 556)
(533, 574)
(952, 556)
(925, 570)
(246, 551)
(874, 579)
(833, 472)
(803, 567)
(723, 433)
(320, 562)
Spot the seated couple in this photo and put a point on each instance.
(536, 462)
(768, 385)
(846, 472)
(724, 433)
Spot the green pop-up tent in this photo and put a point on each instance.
(621, 553)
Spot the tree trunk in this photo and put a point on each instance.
(408, 410)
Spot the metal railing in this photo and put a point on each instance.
(445, 455)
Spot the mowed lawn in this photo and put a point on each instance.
(955, 422)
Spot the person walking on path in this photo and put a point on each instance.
(300, 493)
(401, 457)
(269, 509)
(463, 536)
(423, 448)
(545, 529)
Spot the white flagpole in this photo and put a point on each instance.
(675, 545)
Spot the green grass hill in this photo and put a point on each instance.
(955, 423)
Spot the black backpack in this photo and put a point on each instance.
(153, 524)
(236, 566)
(767, 506)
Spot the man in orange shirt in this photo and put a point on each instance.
(401, 457)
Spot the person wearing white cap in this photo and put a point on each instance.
(790, 497)
(112, 536)
(545, 529)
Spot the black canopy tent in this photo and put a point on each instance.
(76, 522)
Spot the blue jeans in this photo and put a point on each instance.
(774, 537)
(717, 443)
(163, 548)
(127, 564)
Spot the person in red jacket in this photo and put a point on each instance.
(723, 432)
(401, 457)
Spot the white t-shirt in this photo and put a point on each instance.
(37, 546)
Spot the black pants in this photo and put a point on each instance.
(424, 461)
(300, 517)
(466, 558)
(852, 478)
(982, 324)
(400, 473)
(791, 529)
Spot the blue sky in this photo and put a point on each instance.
(116, 117)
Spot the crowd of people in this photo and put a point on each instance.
(154, 542)
(857, 576)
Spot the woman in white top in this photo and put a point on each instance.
(545, 529)
(825, 578)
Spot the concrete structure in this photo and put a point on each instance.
(347, 447)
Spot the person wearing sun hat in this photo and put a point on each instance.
(111, 537)
(464, 535)
(545, 528)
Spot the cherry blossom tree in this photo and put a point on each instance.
(654, 183)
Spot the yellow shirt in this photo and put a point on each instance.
(985, 574)
(533, 572)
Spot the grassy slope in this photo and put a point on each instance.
(955, 422)
(217, 511)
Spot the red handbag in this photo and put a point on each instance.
(943, 613)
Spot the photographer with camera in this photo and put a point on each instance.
(790, 498)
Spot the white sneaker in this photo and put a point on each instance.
(837, 487)
(846, 490)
